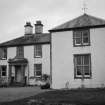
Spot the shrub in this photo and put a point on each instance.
(46, 86)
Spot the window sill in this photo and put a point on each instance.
(3, 58)
(82, 45)
(3, 76)
(38, 76)
(38, 57)
(82, 77)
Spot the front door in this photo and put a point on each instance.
(18, 74)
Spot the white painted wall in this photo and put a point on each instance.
(45, 61)
(62, 59)
(11, 53)
(29, 54)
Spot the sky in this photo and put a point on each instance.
(15, 13)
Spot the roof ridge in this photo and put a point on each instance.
(80, 21)
(40, 39)
(66, 22)
(96, 17)
(11, 40)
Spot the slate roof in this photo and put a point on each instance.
(28, 40)
(84, 20)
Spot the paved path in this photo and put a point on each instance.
(10, 94)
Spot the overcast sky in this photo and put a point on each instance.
(15, 13)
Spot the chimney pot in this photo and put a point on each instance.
(28, 28)
(38, 27)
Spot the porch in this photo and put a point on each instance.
(17, 71)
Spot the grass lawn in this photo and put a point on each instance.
(17, 93)
(76, 97)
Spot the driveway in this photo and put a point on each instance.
(10, 94)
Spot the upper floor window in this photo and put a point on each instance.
(3, 70)
(38, 70)
(82, 66)
(81, 37)
(3, 53)
(20, 51)
(38, 51)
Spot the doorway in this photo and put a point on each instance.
(18, 74)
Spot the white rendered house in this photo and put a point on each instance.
(78, 53)
(25, 59)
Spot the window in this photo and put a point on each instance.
(81, 37)
(37, 51)
(82, 66)
(38, 70)
(3, 70)
(20, 51)
(3, 53)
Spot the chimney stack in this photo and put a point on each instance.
(28, 28)
(38, 27)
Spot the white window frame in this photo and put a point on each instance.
(3, 71)
(35, 70)
(3, 53)
(88, 36)
(75, 37)
(82, 66)
(81, 37)
(20, 51)
(38, 51)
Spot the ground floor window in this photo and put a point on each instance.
(38, 70)
(3, 70)
(82, 66)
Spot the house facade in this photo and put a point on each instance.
(26, 59)
(78, 53)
